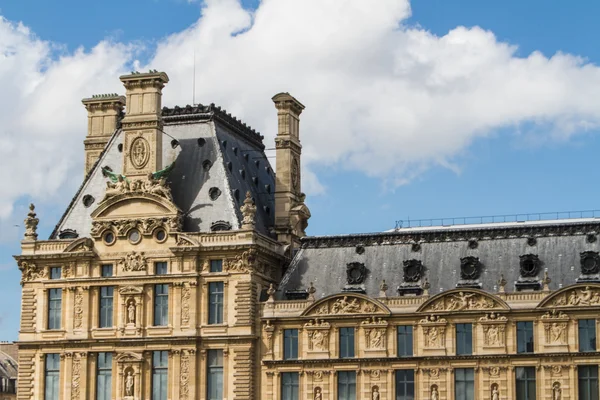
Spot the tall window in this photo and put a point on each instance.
(161, 305)
(588, 382)
(104, 377)
(405, 341)
(346, 385)
(464, 384)
(54, 308)
(587, 334)
(216, 265)
(405, 384)
(106, 270)
(524, 337)
(215, 375)
(160, 369)
(525, 383)
(160, 268)
(290, 344)
(52, 375)
(55, 272)
(215, 303)
(464, 339)
(346, 342)
(106, 306)
(289, 386)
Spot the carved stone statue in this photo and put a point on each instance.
(556, 332)
(318, 395)
(248, 210)
(495, 393)
(119, 187)
(131, 313)
(434, 393)
(375, 395)
(556, 391)
(31, 223)
(129, 384)
(432, 338)
(318, 340)
(376, 339)
(492, 335)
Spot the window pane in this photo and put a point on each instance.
(464, 339)
(588, 382)
(346, 342)
(106, 306)
(160, 362)
(161, 305)
(290, 344)
(215, 303)
(525, 337)
(215, 375)
(464, 386)
(54, 308)
(525, 383)
(405, 341)
(289, 386)
(106, 270)
(160, 268)
(587, 334)
(346, 385)
(104, 377)
(55, 272)
(216, 265)
(405, 384)
(52, 375)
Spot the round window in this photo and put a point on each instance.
(134, 236)
(109, 238)
(589, 265)
(160, 235)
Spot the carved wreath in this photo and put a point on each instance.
(590, 262)
(356, 273)
(470, 267)
(529, 265)
(413, 270)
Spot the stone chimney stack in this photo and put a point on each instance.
(142, 125)
(291, 214)
(103, 113)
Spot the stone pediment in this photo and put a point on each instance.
(131, 290)
(129, 358)
(128, 205)
(464, 300)
(346, 304)
(80, 245)
(583, 295)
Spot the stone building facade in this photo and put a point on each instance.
(181, 270)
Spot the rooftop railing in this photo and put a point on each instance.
(494, 219)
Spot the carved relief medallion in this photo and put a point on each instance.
(140, 152)
(413, 270)
(356, 273)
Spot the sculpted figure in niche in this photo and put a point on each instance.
(556, 391)
(495, 393)
(131, 313)
(318, 395)
(432, 339)
(318, 340)
(492, 335)
(434, 393)
(375, 395)
(129, 384)
(556, 331)
(376, 338)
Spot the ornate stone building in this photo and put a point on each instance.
(181, 270)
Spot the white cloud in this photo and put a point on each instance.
(384, 99)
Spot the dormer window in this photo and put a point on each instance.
(590, 262)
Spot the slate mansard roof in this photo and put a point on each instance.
(558, 247)
(217, 160)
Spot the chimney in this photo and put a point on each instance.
(142, 125)
(291, 214)
(104, 111)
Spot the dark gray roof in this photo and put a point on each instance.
(206, 135)
(558, 245)
(8, 366)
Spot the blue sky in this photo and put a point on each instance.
(510, 167)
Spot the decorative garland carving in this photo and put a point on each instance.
(146, 226)
(134, 262)
(78, 309)
(149, 185)
(184, 379)
(463, 300)
(76, 379)
(31, 271)
(185, 305)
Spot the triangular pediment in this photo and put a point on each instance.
(346, 304)
(580, 295)
(463, 300)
